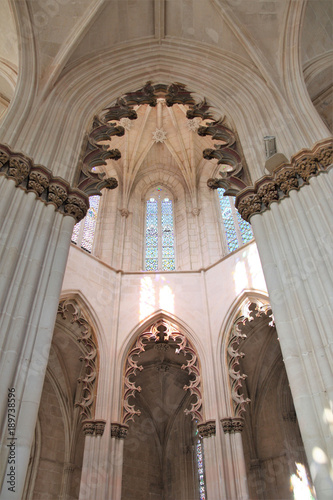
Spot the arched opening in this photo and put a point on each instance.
(273, 448)
(162, 405)
(68, 399)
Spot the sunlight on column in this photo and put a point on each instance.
(299, 484)
(167, 299)
(255, 269)
(147, 297)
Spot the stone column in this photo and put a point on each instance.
(232, 428)
(94, 468)
(38, 215)
(214, 486)
(291, 217)
(118, 434)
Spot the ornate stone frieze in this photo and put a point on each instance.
(93, 427)
(232, 424)
(119, 431)
(273, 188)
(207, 429)
(69, 308)
(159, 135)
(39, 180)
(162, 333)
(178, 94)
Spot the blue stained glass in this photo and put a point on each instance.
(151, 235)
(202, 487)
(76, 232)
(90, 223)
(160, 241)
(231, 218)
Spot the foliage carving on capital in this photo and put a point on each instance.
(119, 431)
(207, 429)
(231, 425)
(93, 427)
(19, 168)
(285, 178)
(39, 179)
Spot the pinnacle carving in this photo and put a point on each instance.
(273, 188)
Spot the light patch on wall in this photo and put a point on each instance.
(299, 484)
(240, 277)
(254, 267)
(147, 297)
(167, 299)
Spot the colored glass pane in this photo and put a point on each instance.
(76, 231)
(151, 235)
(237, 230)
(90, 223)
(201, 473)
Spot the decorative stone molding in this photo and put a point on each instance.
(119, 431)
(177, 94)
(228, 158)
(93, 427)
(193, 124)
(161, 333)
(240, 331)
(68, 308)
(207, 429)
(199, 110)
(124, 212)
(196, 211)
(275, 187)
(39, 180)
(218, 132)
(232, 424)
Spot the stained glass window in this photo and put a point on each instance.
(159, 238)
(237, 231)
(201, 470)
(84, 231)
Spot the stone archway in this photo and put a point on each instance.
(161, 394)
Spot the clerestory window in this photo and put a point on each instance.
(84, 231)
(159, 232)
(237, 231)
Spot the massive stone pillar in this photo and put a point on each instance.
(38, 212)
(291, 215)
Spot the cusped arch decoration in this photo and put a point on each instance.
(240, 330)
(70, 309)
(162, 333)
(112, 122)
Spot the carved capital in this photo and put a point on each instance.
(286, 179)
(119, 431)
(89, 427)
(207, 429)
(268, 193)
(4, 157)
(39, 179)
(249, 205)
(231, 425)
(58, 190)
(99, 427)
(19, 168)
(76, 205)
(304, 165)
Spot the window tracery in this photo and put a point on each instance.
(159, 232)
(237, 231)
(84, 231)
